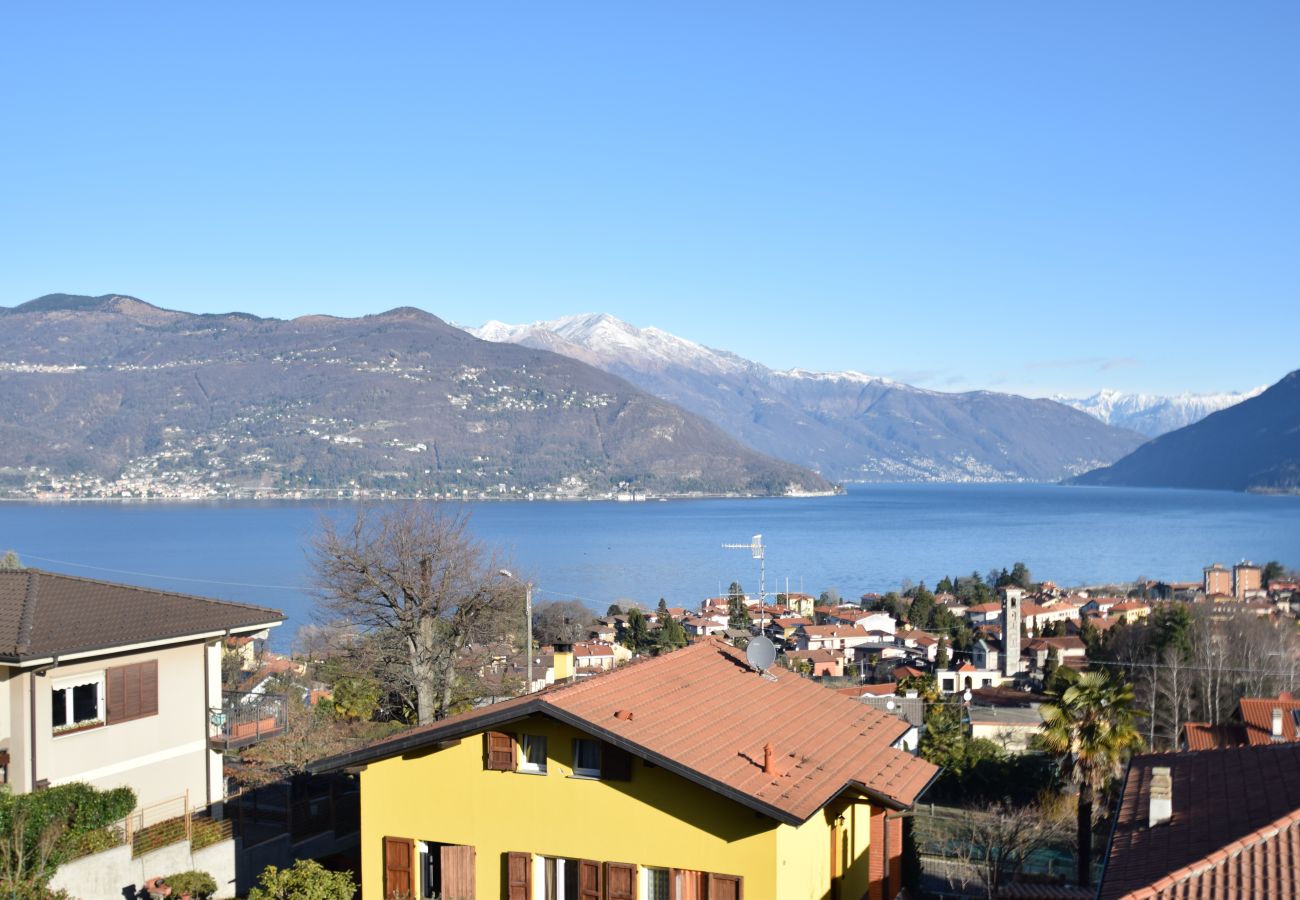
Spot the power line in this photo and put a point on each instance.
(63, 562)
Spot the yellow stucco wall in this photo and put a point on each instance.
(655, 819)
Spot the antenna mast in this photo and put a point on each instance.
(758, 551)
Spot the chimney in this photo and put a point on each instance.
(1162, 793)
(1277, 723)
(769, 760)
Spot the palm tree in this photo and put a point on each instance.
(1090, 727)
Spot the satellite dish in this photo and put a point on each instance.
(761, 653)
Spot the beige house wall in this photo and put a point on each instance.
(160, 757)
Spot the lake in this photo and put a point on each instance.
(869, 540)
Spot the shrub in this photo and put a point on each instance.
(41, 830)
(305, 880)
(200, 885)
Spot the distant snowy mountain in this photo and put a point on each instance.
(846, 425)
(1154, 414)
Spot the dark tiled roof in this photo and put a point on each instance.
(44, 614)
(703, 713)
(1235, 830)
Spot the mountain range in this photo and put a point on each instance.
(109, 395)
(846, 425)
(1153, 414)
(1251, 446)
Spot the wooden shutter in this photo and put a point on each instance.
(499, 751)
(132, 691)
(726, 887)
(588, 880)
(399, 861)
(519, 882)
(457, 872)
(620, 881)
(615, 763)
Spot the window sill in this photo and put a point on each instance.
(78, 729)
(523, 771)
(585, 776)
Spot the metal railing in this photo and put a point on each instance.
(246, 717)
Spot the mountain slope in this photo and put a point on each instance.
(1253, 446)
(846, 425)
(1153, 414)
(93, 390)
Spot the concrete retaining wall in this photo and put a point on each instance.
(114, 874)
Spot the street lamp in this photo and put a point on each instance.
(528, 614)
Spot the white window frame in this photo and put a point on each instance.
(643, 879)
(525, 765)
(582, 772)
(66, 684)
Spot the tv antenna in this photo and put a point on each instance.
(758, 551)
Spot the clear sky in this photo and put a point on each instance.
(1023, 196)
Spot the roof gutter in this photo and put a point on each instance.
(143, 645)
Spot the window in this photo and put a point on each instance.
(586, 757)
(655, 883)
(446, 870)
(532, 754)
(77, 702)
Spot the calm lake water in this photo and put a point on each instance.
(869, 540)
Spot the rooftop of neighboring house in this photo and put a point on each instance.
(1204, 736)
(902, 671)
(1256, 714)
(888, 689)
(1066, 642)
(992, 606)
(814, 656)
(998, 695)
(1130, 606)
(910, 709)
(704, 714)
(44, 614)
(1234, 831)
(828, 631)
(922, 638)
(791, 621)
(1009, 716)
(588, 649)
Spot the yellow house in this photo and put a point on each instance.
(685, 777)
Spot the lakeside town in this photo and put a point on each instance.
(925, 736)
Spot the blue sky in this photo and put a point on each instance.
(1020, 196)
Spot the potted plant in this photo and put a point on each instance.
(193, 884)
(157, 888)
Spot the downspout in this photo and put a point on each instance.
(31, 697)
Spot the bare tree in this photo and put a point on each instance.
(562, 621)
(992, 844)
(413, 578)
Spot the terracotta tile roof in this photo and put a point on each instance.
(888, 689)
(829, 631)
(1257, 715)
(905, 671)
(1235, 830)
(985, 607)
(814, 656)
(44, 614)
(703, 713)
(1203, 736)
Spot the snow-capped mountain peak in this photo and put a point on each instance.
(1153, 414)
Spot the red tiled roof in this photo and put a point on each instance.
(1235, 830)
(903, 671)
(703, 713)
(870, 690)
(1257, 714)
(1203, 736)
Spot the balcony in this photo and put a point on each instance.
(246, 718)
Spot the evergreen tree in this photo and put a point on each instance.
(661, 611)
(670, 635)
(944, 586)
(738, 613)
(1020, 576)
(735, 590)
(614, 610)
(1272, 571)
(636, 636)
(941, 653)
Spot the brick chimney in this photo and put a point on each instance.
(1162, 796)
(769, 760)
(1277, 723)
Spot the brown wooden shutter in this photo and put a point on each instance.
(399, 861)
(620, 881)
(726, 887)
(588, 880)
(457, 872)
(519, 881)
(132, 691)
(499, 751)
(149, 688)
(116, 690)
(615, 763)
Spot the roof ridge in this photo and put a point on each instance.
(1217, 857)
(150, 590)
(27, 621)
